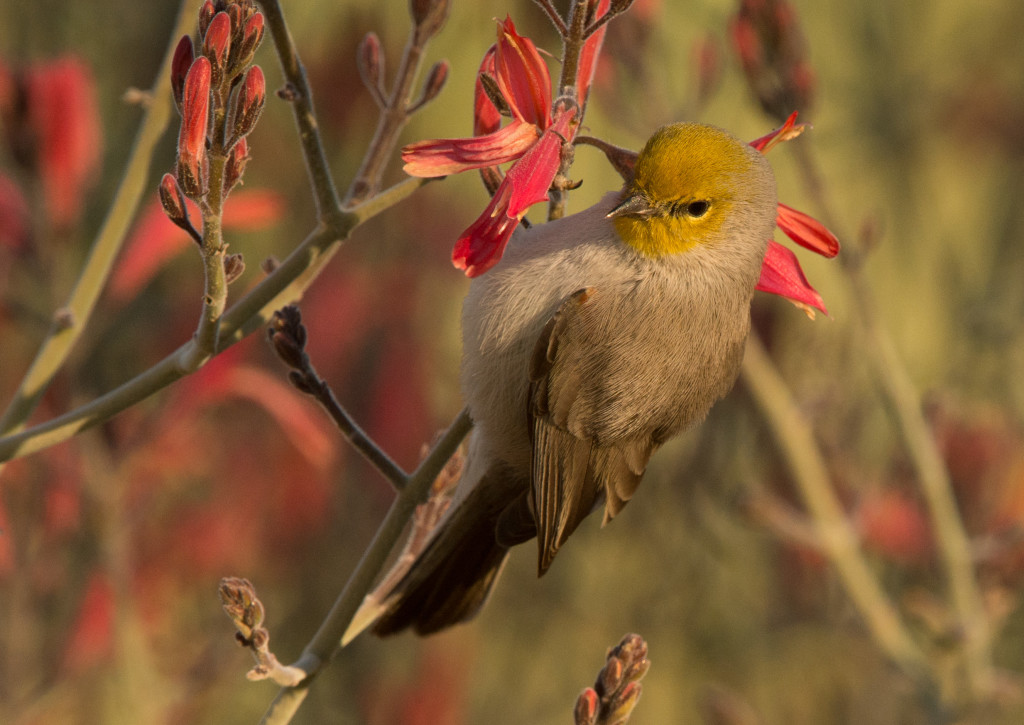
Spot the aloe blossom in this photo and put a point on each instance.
(781, 273)
(533, 139)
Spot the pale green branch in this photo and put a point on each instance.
(837, 538)
(62, 336)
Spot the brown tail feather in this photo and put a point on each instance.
(453, 577)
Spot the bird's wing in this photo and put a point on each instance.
(572, 472)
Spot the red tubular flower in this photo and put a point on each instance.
(533, 140)
(770, 46)
(781, 273)
(195, 113)
(63, 122)
(182, 61)
(217, 44)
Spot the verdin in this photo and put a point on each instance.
(595, 339)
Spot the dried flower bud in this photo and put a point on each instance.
(234, 266)
(195, 114)
(619, 6)
(429, 15)
(182, 61)
(587, 706)
(288, 336)
(217, 45)
(370, 61)
(249, 103)
(172, 198)
(435, 81)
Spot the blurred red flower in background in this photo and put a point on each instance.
(52, 126)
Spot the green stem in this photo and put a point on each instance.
(838, 539)
(392, 120)
(63, 335)
(327, 641)
(905, 404)
(286, 284)
(326, 194)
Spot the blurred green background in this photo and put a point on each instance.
(114, 542)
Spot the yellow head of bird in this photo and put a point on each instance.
(689, 178)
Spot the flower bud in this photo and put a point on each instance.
(252, 36)
(767, 38)
(195, 114)
(622, 706)
(235, 167)
(610, 678)
(172, 199)
(370, 62)
(435, 81)
(234, 266)
(206, 13)
(249, 103)
(429, 15)
(587, 705)
(217, 45)
(180, 63)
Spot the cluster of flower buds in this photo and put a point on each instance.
(617, 690)
(767, 38)
(220, 96)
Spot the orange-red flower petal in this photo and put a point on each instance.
(522, 76)
(781, 275)
(806, 231)
(441, 157)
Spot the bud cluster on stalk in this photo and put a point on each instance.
(617, 689)
(766, 35)
(220, 95)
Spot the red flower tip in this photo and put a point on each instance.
(252, 34)
(206, 13)
(523, 76)
(182, 61)
(217, 44)
(195, 112)
(807, 231)
(236, 164)
(786, 132)
(781, 275)
(172, 199)
(249, 104)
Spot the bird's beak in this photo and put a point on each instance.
(636, 204)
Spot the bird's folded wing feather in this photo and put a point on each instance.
(572, 469)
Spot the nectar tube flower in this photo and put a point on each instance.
(781, 273)
(533, 140)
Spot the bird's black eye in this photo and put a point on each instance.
(697, 209)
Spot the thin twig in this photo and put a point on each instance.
(905, 404)
(556, 19)
(837, 537)
(328, 203)
(327, 641)
(392, 120)
(288, 336)
(62, 336)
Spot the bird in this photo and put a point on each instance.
(596, 338)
